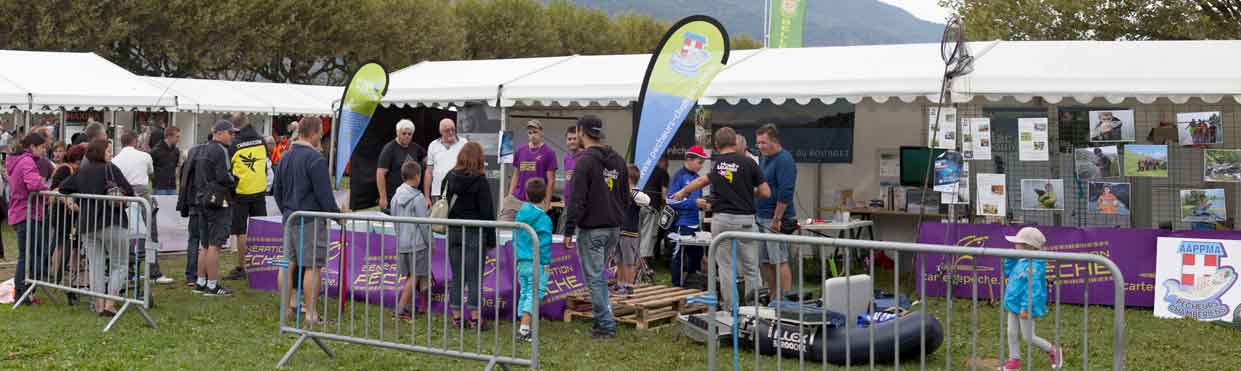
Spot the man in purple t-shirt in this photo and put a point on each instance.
(570, 159)
(534, 160)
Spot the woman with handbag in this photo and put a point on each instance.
(103, 225)
(469, 197)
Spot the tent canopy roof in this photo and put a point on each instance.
(457, 82)
(1052, 70)
(77, 81)
(1085, 70)
(194, 95)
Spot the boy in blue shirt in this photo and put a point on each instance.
(532, 214)
(686, 259)
(413, 240)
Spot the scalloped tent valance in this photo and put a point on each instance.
(1057, 72)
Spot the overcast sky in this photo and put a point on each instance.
(925, 9)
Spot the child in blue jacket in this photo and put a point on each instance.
(1025, 298)
(534, 216)
(686, 259)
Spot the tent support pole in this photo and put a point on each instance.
(29, 108)
(60, 126)
(194, 128)
(332, 148)
(503, 127)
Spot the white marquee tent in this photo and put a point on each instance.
(1084, 70)
(77, 81)
(458, 82)
(1053, 70)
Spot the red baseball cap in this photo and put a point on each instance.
(696, 151)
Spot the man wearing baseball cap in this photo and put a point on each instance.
(533, 160)
(209, 198)
(595, 213)
(686, 259)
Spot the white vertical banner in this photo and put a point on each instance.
(1032, 139)
(980, 138)
(945, 137)
(1196, 278)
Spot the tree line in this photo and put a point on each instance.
(318, 41)
(1099, 19)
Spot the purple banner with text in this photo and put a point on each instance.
(373, 276)
(1133, 251)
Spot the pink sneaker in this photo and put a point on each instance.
(1013, 364)
(1057, 357)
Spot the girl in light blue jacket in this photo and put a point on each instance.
(1025, 298)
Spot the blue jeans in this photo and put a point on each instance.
(593, 245)
(165, 191)
(685, 258)
(36, 258)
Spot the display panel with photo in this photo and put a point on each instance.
(992, 199)
(1196, 128)
(1203, 205)
(1221, 165)
(1112, 126)
(1042, 194)
(1108, 198)
(1097, 162)
(1146, 160)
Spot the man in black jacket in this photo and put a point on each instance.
(600, 180)
(209, 202)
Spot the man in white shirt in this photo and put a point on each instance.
(137, 167)
(441, 158)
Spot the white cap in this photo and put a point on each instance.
(1029, 236)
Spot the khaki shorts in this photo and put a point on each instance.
(629, 250)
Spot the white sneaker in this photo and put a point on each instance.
(164, 280)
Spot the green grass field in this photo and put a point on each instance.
(240, 332)
(1131, 167)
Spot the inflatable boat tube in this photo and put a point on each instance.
(827, 343)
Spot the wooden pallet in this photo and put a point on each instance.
(647, 307)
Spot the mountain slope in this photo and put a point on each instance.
(828, 22)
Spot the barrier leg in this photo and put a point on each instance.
(493, 364)
(146, 316)
(118, 315)
(293, 349)
(29, 291)
(298, 344)
(330, 353)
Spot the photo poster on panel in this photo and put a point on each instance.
(1196, 278)
(992, 195)
(945, 137)
(889, 165)
(978, 138)
(1032, 139)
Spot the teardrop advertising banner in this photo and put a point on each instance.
(688, 57)
(362, 96)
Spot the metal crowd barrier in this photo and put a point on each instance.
(782, 341)
(357, 310)
(101, 255)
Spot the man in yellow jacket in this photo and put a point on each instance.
(253, 172)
